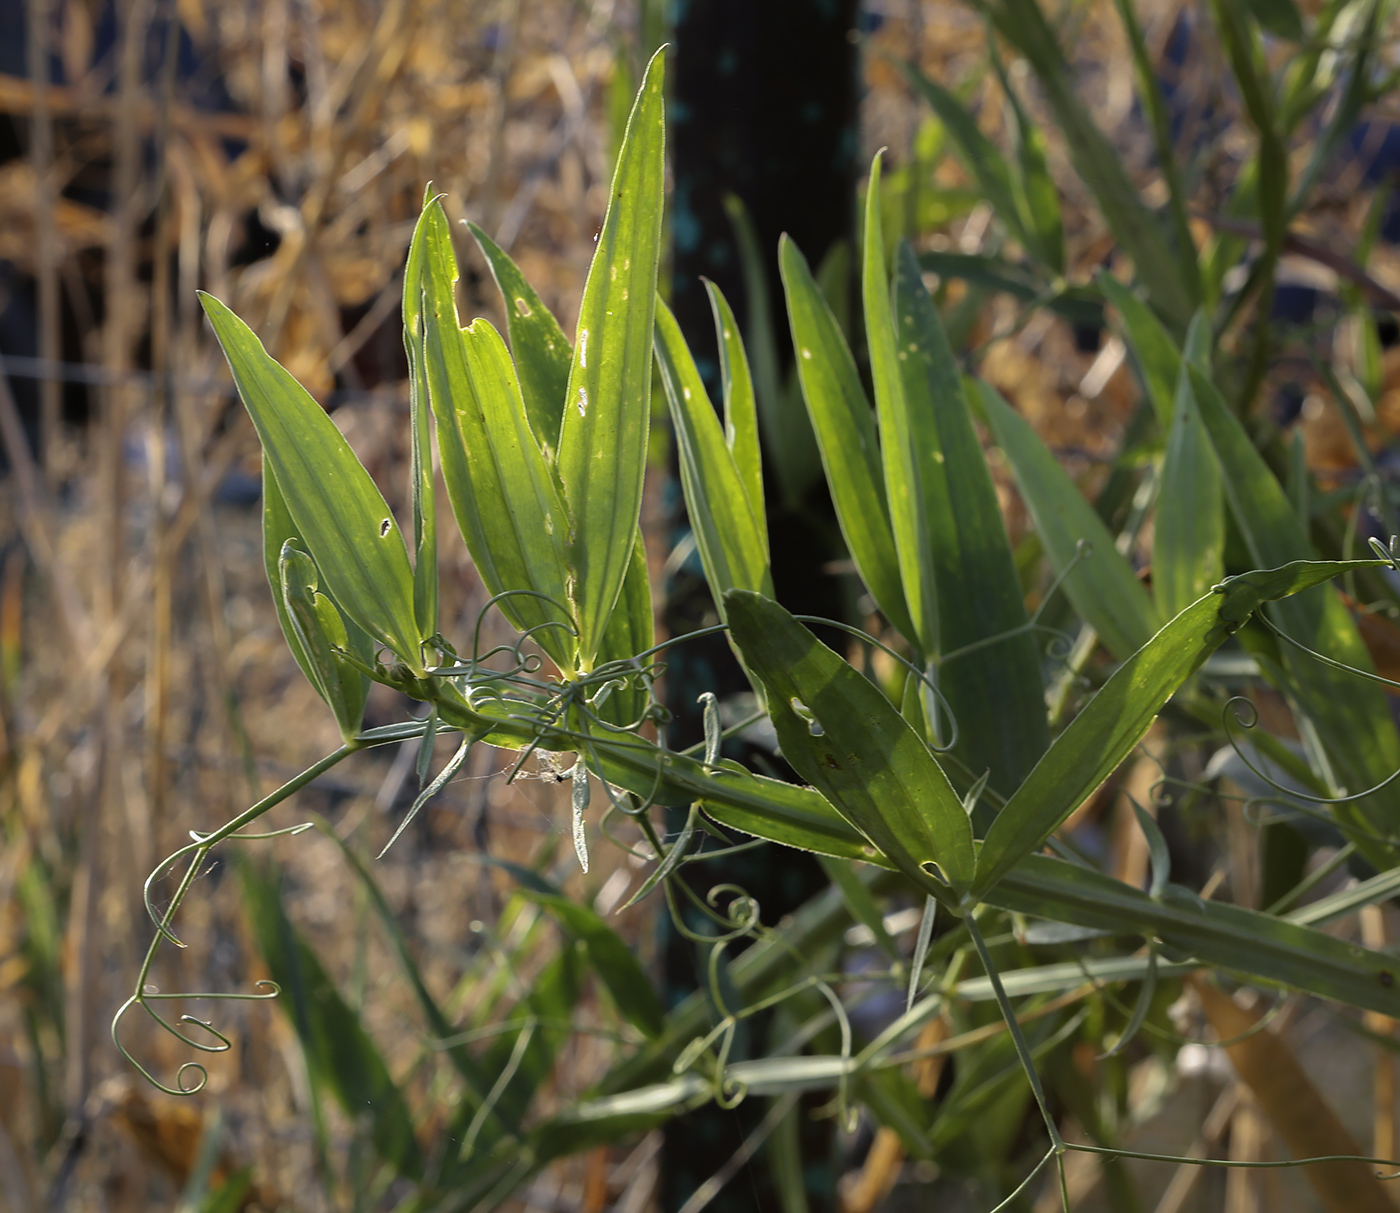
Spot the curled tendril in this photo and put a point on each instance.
(1246, 715)
(143, 998)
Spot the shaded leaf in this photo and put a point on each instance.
(541, 351)
(338, 511)
(846, 739)
(845, 429)
(1101, 585)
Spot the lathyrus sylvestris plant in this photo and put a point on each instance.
(955, 792)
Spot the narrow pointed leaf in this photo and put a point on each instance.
(1188, 549)
(1216, 933)
(278, 528)
(614, 962)
(1152, 347)
(979, 156)
(731, 545)
(1114, 721)
(845, 429)
(339, 1052)
(1036, 192)
(631, 630)
(541, 351)
(1102, 586)
(425, 562)
(321, 631)
(847, 740)
(603, 437)
(740, 405)
(338, 511)
(1350, 715)
(909, 445)
(503, 493)
(990, 672)
(787, 432)
(1023, 24)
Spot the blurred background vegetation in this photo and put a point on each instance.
(275, 153)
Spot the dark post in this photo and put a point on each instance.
(764, 107)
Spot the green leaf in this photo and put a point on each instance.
(787, 433)
(321, 631)
(603, 437)
(1351, 716)
(1036, 192)
(979, 156)
(1188, 549)
(425, 562)
(542, 353)
(1160, 116)
(476, 1080)
(1153, 349)
(989, 663)
(909, 447)
(1114, 721)
(614, 962)
(1102, 585)
(1023, 24)
(338, 511)
(732, 546)
(339, 1052)
(1216, 933)
(631, 630)
(845, 429)
(847, 740)
(277, 529)
(503, 493)
(1279, 17)
(740, 406)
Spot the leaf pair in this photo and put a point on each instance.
(916, 502)
(846, 739)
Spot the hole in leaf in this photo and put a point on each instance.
(521, 306)
(385, 527)
(813, 724)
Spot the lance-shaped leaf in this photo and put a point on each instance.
(1036, 192)
(340, 1055)
(978, 155)
(603, 437)
(846, 739)
(503, 493)
(613, 961)
(1216, 933)
(1350, 715)
(1188, 549)
(542, 353)
(740, 405)
(425, 564)
(338, 511)
(1101, 585)
(990, 666)
(791, 445)
(1114, 721)
(845, 429)
(731, 546)
(1098, 162)
(1153, 350)
(320, 631)
(909, 447)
